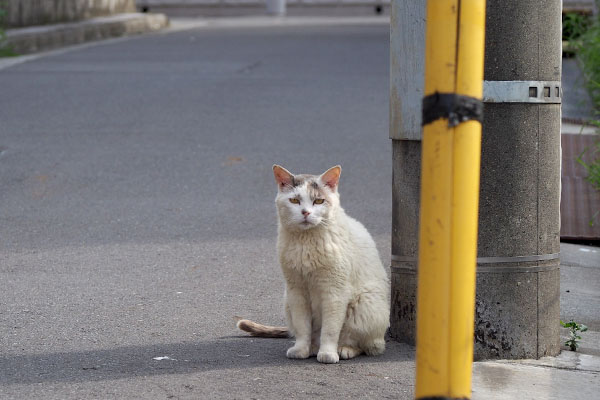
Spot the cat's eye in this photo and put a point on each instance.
(319, 201)
(294, 201)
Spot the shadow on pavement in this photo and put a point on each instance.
(171, 358)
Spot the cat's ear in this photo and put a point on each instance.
(331, 177)
(283, 177)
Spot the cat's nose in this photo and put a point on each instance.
(305, 213)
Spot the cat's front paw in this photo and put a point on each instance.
(328, 357)
(298, 352)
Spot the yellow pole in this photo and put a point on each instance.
(449, 198)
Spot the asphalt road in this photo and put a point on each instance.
(137, 214)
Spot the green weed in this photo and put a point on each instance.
(588, 54)
(574, 25)
(592, 168)
(5, 50)
(575, 329)
(583, 35)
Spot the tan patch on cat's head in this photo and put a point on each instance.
(287, 181)
(315, 189)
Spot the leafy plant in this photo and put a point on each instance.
(575, 328)
(2, 16)
(583, 36)
(592, 168)
(574, 25)
(5, 50)
(588, 53)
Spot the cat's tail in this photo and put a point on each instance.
(256, 329)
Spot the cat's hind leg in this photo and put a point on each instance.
(348, 352)
(374, 347)
(348, 348)
(314, 348)
(315, 340)
(315, 343)
(367, 322)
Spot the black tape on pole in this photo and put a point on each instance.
(456, 108)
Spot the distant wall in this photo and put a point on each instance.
(192, 3)
(38, 12)
(204, 8)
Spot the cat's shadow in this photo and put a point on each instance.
(230, 352)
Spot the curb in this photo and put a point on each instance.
(48, 37)
(182, 24)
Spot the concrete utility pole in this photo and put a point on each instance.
(517, 303)
(517, 311)
(407, 69)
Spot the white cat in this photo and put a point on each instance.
(337, 291)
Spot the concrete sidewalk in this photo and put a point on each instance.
(570, 372)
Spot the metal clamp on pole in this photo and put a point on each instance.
(539, 92)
